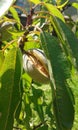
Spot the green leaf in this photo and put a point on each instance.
(18, 110)
(75, 5)
(38, 106)
(4, 6)
(35, 1)
(63, 5)
(15, 16)
(67, 38)
(1, 58)
(10, 89)
(54, 11)
(51, 8)
(59, 68)
(6, 35)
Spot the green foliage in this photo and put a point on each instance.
(54, 11)
(60, 67)
(15, 16)
(69, 38)
(26, 104)
(9, 90)
(75, 5)
(1, 58)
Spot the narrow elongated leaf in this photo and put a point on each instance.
(66, 37)
(63, 5)
(54, 11)
(75, 5)
(35, 1)
(9, 90)
(1, 58)
(51, 8)
(60, 67)
(4, 6)
(15, 16)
